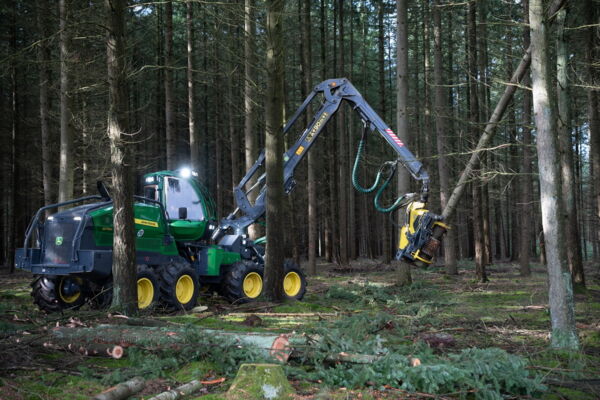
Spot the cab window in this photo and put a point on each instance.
(180, 193)
(150, 192)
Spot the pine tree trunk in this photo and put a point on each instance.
(44, 72)
(250, 139)
(566, 152)
(124, 262)
(478, 234)
(274, 151)
(342, 151)
(560, 288)
(194, 141)
(65, 181)
(11, 206)
(312, 155)
(383, 225)
(591, 10)
(441, 118)
(525, 181)
(171, 138)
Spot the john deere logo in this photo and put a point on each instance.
(59, 240)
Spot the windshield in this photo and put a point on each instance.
(181, 193)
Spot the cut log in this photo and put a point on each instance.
(277, 347)
(273, 346)
(89, 349)
(122, 390)
(179, 392)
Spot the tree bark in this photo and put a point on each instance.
(562, 318)
(312, 155)
(171, 138)
(250, 82)
(43, 55)
(194, 141)
(65, 181)
(478, 216)
(441, 118)
(566, 154)
(124, 261)
(591, 10)
(526, 220)
(274, 105)
(342, 168)
(386, 248)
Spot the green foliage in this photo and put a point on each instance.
(488, 373)
(418, 299)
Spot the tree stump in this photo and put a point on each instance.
(403, 276)
(260, 382)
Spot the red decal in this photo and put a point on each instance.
(394, 137)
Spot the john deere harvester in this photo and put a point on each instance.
(181, 244)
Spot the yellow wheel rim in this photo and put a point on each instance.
(292, 283)
(252, 285)
(184, 289)
(145, 290)
(63, 296)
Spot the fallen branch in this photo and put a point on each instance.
(122, 390)
(179, 392)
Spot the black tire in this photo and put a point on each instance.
(148, 288)
(46, 292)
(179, 287)
(294, 281)
(232, 286)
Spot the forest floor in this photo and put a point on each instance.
(436, 317)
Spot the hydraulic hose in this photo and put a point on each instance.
(358, 187)
(355, 182)
(376, 201)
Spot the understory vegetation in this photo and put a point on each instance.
(449, 336)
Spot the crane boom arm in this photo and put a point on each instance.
(334, 91)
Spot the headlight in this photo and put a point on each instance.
(185, 172)
(150, 179)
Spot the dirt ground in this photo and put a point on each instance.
(448, 313)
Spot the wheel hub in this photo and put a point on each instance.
(184, 289)
(292, 283)
(252, 285)
(69, 289)
(145, 291)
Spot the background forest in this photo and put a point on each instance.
(196, 83)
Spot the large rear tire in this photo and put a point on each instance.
(58, 293)
(243, 282)
(294, 281)
(179, 287)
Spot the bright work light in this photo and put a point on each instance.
(185, 172)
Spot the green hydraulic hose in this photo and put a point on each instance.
(355, 182)
(398, 203)
(379, 193)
